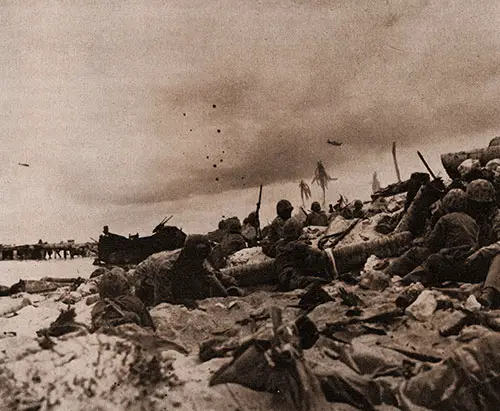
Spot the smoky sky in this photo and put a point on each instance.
(131, 103)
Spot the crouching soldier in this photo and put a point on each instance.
(232, 242)
(284, 210)
(181, 277)
(117, 306)
(250, 229)
(194, 278)
(317, 217)
(297, 263)
(454, 238)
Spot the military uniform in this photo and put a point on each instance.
(249, 233)
(110, 312)
(298, 264)
(181, 275)
(284, 211)
(193, 278)
(233, 241)
(452, 240)
(116, 305)
(317, 219)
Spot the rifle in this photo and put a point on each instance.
(426, 165)
(304, 211)
(259, 233)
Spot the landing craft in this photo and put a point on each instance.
(23, 164)
(334, 143)
(119, 250)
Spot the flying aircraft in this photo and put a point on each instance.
(334, 143)
(23, 164)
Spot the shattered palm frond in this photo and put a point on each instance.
(321, 177)
(305, 191)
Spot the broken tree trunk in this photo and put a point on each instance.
(416, 180)
(61, 280)
(451, 161)
(343, 259)
(398, 175)
(375, 183)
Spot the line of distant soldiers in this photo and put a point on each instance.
(231, 236)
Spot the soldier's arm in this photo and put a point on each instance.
(435, 240)
(494, 248)
(217, 279)
(226, 280)
(288, 278)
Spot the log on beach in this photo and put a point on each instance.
(61, 280)
(354, 256)
(346, 258)
(39, 286)
(451, 161)
(253, 274)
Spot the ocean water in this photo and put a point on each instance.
(13, 271)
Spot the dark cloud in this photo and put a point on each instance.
(134, 100)
(401, 72)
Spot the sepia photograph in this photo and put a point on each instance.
(265, 205)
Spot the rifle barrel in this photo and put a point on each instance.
(426, 165)
(259, 232)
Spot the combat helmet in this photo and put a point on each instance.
(315, 206)
(481, 191)
(292, 229)
(455, 200)
(233, 225)
(283, 207)
(113, 284)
